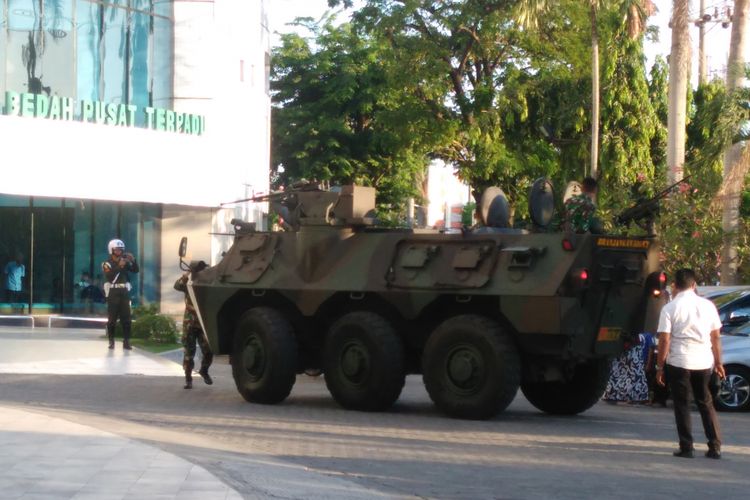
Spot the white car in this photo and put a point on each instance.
(734, 394)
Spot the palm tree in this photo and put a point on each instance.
(733, 158)
(528, 13)
(679, 59)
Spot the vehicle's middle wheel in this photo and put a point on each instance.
(364, 362)
(471, 367)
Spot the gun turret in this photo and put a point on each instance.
(645, 211)
(311, 204)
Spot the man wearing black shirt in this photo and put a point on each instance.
(117, 269)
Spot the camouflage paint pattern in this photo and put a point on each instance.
(418, 278)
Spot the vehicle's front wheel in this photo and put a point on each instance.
(364, 362)
(264, 359)
(471, 368)
(572, 396)
(734, 394)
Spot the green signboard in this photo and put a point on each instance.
(121, 115)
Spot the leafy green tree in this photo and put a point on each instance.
(506, 105)
(630, 123)
(337, 117)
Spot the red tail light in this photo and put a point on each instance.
(579, 278)
(567, 245)
(656, 283)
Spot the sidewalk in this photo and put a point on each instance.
(69, 351)
(50, 458)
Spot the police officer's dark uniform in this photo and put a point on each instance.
(192, 333)
(117, 269)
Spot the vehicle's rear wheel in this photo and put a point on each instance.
(364, 362)
(470, 367)
(734, 394)
(572, 396)
(264, 359)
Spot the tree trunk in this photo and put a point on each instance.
(679, 60)
(594, 92)
(733, 183)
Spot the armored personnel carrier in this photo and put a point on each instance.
(478, 313)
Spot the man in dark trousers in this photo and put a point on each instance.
(192, 333)
(117, 269)
(690, 345)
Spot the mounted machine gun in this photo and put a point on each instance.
(644, 212)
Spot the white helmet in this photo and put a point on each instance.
(115, 244)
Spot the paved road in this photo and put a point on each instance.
(308, 447)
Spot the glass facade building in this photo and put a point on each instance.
(115, 51)
(61, 240)
(71, 184)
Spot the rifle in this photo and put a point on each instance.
(286, 203)
(296, 187)
(644, 212)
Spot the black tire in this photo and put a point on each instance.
(363, 362)
(264, 359)
(471, 369)
(734, 394)
(574, 396)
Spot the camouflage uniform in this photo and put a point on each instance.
(579, 213)
(192, 333)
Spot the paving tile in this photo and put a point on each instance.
(204, 495)
(44, 457)
(200, 485)
(98, 496)
(60, 487)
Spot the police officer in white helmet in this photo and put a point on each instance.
(117, 269)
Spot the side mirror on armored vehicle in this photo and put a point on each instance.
(183, 247)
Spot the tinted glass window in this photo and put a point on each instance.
(161, 87)
(3, 43)
(88, 31)
(113, 52)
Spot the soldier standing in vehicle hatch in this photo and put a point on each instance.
(192, 333)
(580, 210)
(117, 269)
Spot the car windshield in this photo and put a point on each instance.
(726, 298)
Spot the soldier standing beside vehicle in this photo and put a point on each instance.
(192, 334)
(117, 269)
(580, 210)
(690, 345)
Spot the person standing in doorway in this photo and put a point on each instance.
(117, 269)
(690, 345)
(192, 333)
(14, 272)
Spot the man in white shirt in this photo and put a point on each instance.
(689, 343)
